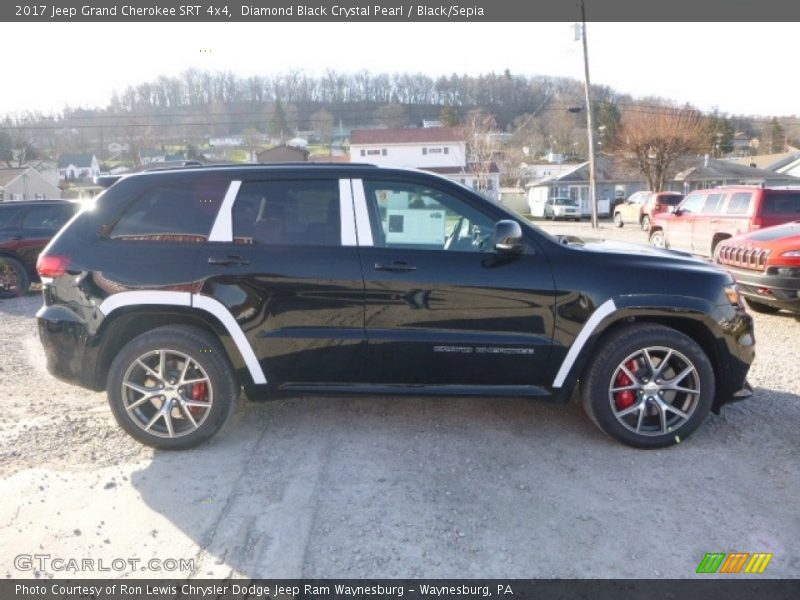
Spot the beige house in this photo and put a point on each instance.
(26, 184)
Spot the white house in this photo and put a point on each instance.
(441, 150)
(78, 166)
(26, 183)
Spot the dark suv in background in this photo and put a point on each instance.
(180, 287)
(25, 229)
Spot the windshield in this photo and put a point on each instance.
(565, 202)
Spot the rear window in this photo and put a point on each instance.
(48, 218)
(739, 204)
(670, 199)
(781, 203)
(178, 212)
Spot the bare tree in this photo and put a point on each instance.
(653, 140)
(392, 115)
(322, 122)
(481, 147)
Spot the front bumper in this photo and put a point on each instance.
(773, 290)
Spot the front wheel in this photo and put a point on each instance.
(650, 386)
(618, 220)
(172, 387)
(657, 239)
(645, 223)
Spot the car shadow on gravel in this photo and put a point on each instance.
(420, 487)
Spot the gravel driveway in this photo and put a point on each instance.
(396, 487)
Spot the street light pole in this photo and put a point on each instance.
(589, 119)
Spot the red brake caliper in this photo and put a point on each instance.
(625, 398)
(199, 393)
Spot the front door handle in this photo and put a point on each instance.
(228, 260)
(397, 266)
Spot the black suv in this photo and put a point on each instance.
(181, 287)
(25, 228)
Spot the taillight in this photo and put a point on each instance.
(755, 222)
(51, 266)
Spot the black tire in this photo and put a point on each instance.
(645, 223)
(646, 425)
(760, 307)
(14, 279)
(206, 359)
(618, 222)
(658, 239)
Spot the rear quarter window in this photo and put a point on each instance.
(781, 203)
(177, 212)
(739, 204)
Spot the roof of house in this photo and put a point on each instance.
(78, 160)
(407, 136)
(472, 168)
(726, 169)
(770, 162)
(7, 176)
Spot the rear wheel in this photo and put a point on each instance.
(649, 387)
(657, 239)
(14, 280)
(760, 307)
(618, 219)
(172, 387)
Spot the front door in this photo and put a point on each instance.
(680, 224)
(442, 307)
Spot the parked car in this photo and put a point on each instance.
(641, 207)
(25, 229)
(181, 287)
(707, 217)
(766, 264)
(562, 208)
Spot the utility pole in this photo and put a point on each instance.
(589, 119)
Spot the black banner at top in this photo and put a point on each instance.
(196, 11)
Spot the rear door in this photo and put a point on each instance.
(707, 223)
(282, 259)
(441, 306)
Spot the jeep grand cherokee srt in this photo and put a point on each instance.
(181, 287)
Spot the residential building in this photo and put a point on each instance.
(77, 166)
(442, 150)
(26, 183)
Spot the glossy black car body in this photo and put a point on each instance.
(26, 227)
(359, 312)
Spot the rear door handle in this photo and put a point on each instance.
(228, 260)
(397, 266)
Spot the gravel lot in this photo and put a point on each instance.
(397, 487)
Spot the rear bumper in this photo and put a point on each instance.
(780, 292)
(70, 356)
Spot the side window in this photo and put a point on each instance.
(8, 216)
(739, 204)
(304, 213)
(693, 203)
(712, 204)
(407, 215)
(782, 203)
(175, 212)
(50, 218)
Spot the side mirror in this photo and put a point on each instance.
(508, 237)
(674, 210)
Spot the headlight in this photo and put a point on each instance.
(732, 292)
(792, 253)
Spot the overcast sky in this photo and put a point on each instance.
(741, 68)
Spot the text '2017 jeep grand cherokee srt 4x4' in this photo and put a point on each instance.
(179, 287)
